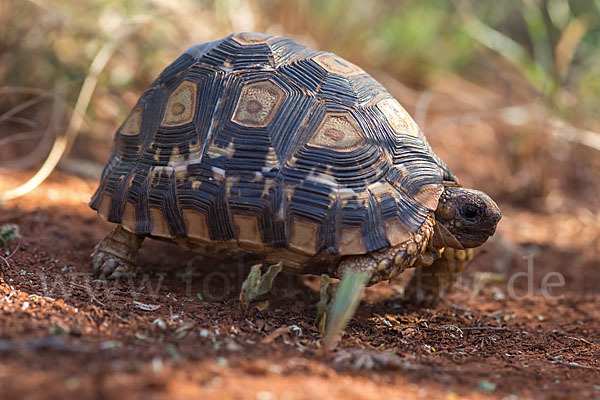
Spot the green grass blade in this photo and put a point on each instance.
(347, 298)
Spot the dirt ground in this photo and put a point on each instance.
(523, 323)
(165, 334)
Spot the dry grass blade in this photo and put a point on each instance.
(25, 105)
(22, 121)
(21, 90)
(422, 107)
(525, 114)
(83, 100)
(570, 133)
(17, 137)
(47, 137)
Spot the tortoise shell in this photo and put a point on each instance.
(257, 145)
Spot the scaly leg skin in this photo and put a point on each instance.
(116, 255)
(355, 273)
(257, 284)
(428, 284)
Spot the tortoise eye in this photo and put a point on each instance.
(469, 212)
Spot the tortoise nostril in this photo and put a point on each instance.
(495, 216)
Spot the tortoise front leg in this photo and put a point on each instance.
(356, 272)
(429, 283)
(116, 255)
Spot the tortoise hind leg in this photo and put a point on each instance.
(116, 255)
(428, 284)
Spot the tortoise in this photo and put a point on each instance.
(258, 148)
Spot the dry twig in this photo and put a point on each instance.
(573, 364)
(88, 291)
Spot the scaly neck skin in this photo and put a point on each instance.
(465, 218)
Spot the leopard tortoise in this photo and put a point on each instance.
(256, 147)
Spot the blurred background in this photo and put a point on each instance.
(508, 92)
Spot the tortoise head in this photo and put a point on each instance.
(465, 218)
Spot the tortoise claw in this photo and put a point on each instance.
(347, 298)
(428, 284)
(115, 256)
(109, 266)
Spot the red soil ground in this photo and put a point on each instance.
(64, 335)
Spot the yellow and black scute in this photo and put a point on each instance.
(259, 144)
